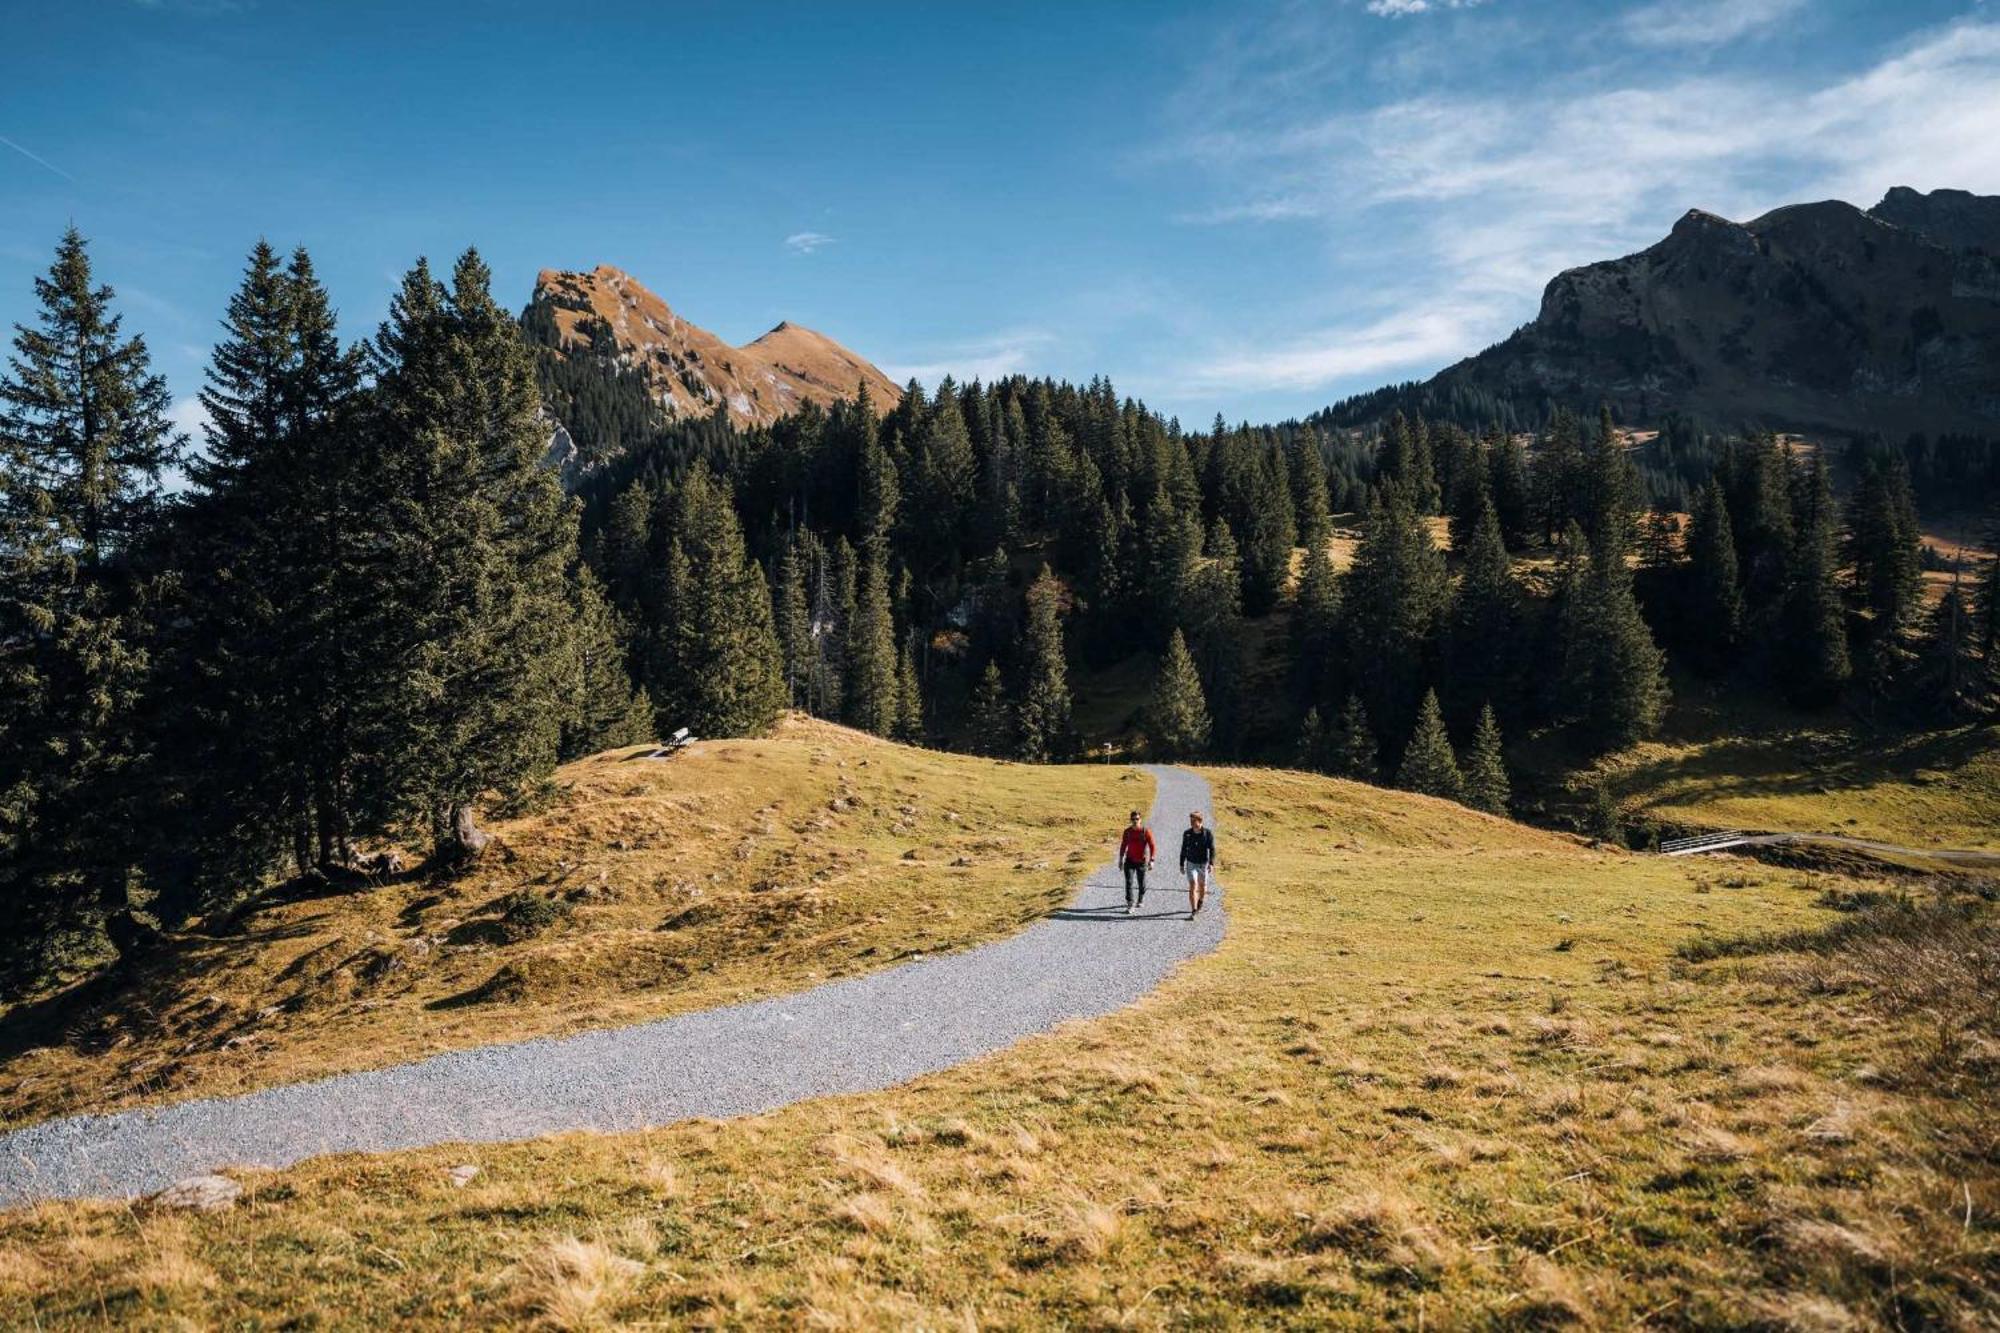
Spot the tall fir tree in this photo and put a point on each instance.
(610, 710)
(1481, 636)
(1947, 678)
(1043, 722)
(476, 539)
(871, 694)
(991, 722)
(1429, 766)
(793, 619)
(1309, 493)
(1811, 655)
(1623, 684)
(1714, 599)
(1485, 767)
(1883, 544)
(1394, 597)
(1354, 751)
(1513, 492)
(1316, 627)
(909, 695)
(278, 587)
(1177, 722)
(85, 438)
(1270, 533)
(722, 673)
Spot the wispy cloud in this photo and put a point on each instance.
(996, 356)
(1705, 22)
(1396, 9)
(807, 242)
(1481, 198)
(39, 161)
(1423, 336)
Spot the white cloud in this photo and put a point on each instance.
(994, 357)
(190, 416)
(1416, 337)
(1395, 9)
(806, 242)
(1705, 22)
(1481, 198)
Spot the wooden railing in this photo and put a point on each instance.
(1706, 842)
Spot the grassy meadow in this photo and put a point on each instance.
(1727, 765)
(1445, 1072)
(735, 870)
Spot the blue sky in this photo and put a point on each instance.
(1246, 208)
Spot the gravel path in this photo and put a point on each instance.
(855, 1035)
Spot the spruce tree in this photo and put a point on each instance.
(1882, 545)
(1043, 721)
(1354, 751)
(1309, 494)
(84, 441)
(723, 671)
(1486, 786)
(793, 620)
(1269, 535)
(1513, 494)
(1394, 597)
(1428, 764)
(1481, 643)
(475, 539)
(1315, 751)
(1947, 677)
(1559, 475)
(1177, 722)
(991, 728)
(1472, 493)
(1211, 613)
(1316, 625)
(871, 695)
(835, 606)
(1714, 600)
(610, 711)
(945, 485)
(280, 590)
(1608, 487)
(1986, 605)
(1811, 656)
(909, 696)
(1624, 680)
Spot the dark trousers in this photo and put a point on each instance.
(1135, 874)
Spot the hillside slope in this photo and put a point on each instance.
(1815, 316)
(691, 371)
(739, 869)
(1444, 1069)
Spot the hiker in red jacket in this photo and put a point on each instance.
(1135, 858)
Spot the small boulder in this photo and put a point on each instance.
(461, 1176)
(201, 1194)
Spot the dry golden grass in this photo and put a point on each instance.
(1729, 767)
(738, 869)
(1387, 1100)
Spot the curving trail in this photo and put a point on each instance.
(854, 1035)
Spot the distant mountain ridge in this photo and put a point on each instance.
(1816, 316)
(689, 371)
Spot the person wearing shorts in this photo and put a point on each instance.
(1197, 861)
(1135, 857)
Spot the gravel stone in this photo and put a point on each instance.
(853, 1035)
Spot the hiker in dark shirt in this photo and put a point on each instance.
(1197, 861)
(1135, 857)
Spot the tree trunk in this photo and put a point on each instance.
(459, 837)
